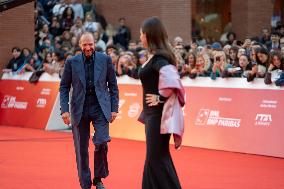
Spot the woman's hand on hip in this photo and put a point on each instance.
(152, 99)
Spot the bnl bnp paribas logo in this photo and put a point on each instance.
(213, 118)
(11, 102)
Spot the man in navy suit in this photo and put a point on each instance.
(94, 99)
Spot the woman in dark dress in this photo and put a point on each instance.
(159, 170)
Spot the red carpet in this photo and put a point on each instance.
(36, 159)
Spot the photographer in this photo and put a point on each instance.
(247, 46)
(232, 69)
(190, 62)
(202, 66)
(260, 66)
(219, 65)
(179, 53)
(125, 65)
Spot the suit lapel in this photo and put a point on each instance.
(81, 70)
(98, 66)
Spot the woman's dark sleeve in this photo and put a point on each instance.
(158, 63)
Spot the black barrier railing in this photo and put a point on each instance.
(9, 4)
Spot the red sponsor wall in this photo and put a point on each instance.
(231, 119)
(241, 120)
(226, 114)
(26, 105)
(130, 107)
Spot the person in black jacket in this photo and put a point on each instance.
(17, 61)
(123, 35)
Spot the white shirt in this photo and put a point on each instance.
(78, 10)
(58, 9)
(91, 26)
(101, 44)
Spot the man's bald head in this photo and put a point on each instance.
(86, 35)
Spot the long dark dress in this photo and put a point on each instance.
(159, 171)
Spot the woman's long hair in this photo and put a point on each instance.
(264, 51)
(278, 55)
(157, 39)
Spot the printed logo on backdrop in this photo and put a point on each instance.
(20, 88)
(130, 94)
(120, 104)
(269, 104)
(134, 110)
(213, 118)
(45, 91)
(263, 119)
(10, 102)
(41, 103)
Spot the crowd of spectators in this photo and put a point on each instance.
(59, 24)
(257, 57)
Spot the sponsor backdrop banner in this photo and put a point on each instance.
(130, 107)
(240, 120)
(26, 105)
(233, 119)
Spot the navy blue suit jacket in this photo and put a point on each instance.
(105, 86)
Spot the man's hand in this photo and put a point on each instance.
(113, 116)
(66, 118)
